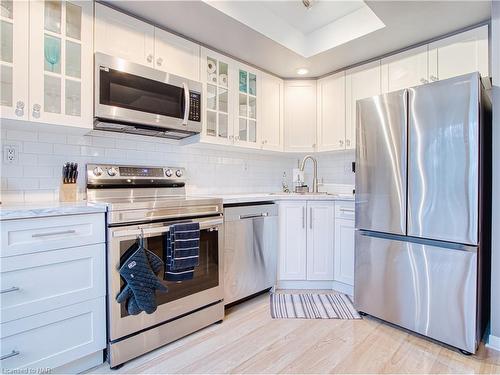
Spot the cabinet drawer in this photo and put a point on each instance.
(56, 337)
(35, 283)
(49, 233)
(344, 210)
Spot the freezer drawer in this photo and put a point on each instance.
(427, 289)
(443, 160)
(381, 163)
(250, 250)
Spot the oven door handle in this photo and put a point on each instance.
(186, 104)
(206, 224)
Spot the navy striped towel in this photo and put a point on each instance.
(181, 251)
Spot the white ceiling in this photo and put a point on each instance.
(308, 20)
(305, 31)
(406, 23)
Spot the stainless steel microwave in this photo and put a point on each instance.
(133, 98)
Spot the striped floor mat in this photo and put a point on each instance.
(312, 306)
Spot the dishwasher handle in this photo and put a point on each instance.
(254, 216)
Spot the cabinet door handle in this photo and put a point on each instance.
(303, 217)
(11, 354)
(159, 61)
(20, 108)
(8, 290)
(348, 142)
(341, 142)
(36, 110)
(70, 231)
(423, 80)
(434, 78)
(149, 58)
(350, 210)
(310, 218)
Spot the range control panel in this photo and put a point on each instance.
(194, 106)
(128, 172)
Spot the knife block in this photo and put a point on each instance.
(68, 193)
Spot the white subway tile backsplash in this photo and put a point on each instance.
(51, 137)
(105, 142)
(68, 150)
(14, 183)
(79, 140)
(20, 135)
(39, 195)
(38, 171)
(210, 169)
(38, 148)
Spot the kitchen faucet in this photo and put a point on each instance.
(315, 170)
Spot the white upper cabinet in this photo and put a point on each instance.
(218, 76)
(320, 240)
(300, 116)
(406, 69)
(272, 113)
(176, 55)
(14, 18)
(361, 82)
(247, 114)
(331, 113)
(120, 35)
(61, 62)
(459, 54)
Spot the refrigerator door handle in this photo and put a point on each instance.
(419, 240)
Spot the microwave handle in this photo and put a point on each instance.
(186, 103)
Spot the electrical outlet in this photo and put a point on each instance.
(10, 154)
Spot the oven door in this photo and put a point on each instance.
(182, 297)
(132, 93)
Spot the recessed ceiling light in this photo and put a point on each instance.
(302, 71)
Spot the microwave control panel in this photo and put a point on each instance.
(194, 106)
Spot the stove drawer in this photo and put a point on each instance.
(34, 283)
(26, 236)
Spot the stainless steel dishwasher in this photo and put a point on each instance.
(250, 250)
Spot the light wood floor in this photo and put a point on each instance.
(249, 341)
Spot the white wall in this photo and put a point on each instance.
(211, 169)
(495, 243)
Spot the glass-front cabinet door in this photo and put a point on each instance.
(61, 62)
(217, 77)
(248, 90)
(14, 18)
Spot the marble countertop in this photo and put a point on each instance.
(14, 211)
(272, 197)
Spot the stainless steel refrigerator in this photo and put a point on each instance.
(422, 209)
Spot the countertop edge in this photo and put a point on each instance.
(38, 210)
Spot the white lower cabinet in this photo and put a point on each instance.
(306, 240)
(320, 240)
(316, 245)
(54, 338)
(344, 243)
(53, 288)
(293, 241)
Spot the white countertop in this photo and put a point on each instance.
(14, 211)
(267, 197)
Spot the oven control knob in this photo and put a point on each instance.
(97, 171)
(168, 173)
(178, 173)
(112, 171)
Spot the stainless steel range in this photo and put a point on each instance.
(144, 202)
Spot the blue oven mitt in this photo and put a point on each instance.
(141, 279)
(156, 264)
